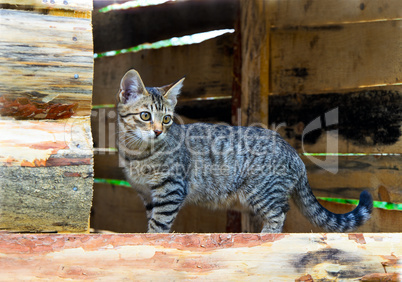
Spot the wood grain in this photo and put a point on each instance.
(324, 59)
(46, 60)
(146, 257)
(208, 74)
(77, 5)
(255, 53)
(46, 199)
(45, 143)
(326, 12)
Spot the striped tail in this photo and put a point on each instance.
(323, 218)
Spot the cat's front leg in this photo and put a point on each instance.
(167, 199)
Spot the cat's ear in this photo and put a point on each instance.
(131, 87)
(173, 90)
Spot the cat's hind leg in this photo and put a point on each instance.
(273, 223)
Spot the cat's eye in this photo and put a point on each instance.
(167, 119)
(145, 116)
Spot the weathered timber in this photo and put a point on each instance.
(285, 13)
(77, 5)
(46, 199)
(46, 62)
(367, 121)
(117, 30)
(119, 209)
(331, 58)
(154, 257)
(208, 74)
(255, 42)
(381, 220)
(45, 143)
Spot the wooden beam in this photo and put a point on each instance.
(145, 257)
(77, 5)
(117, 30)
(255, 62)
(45, 62)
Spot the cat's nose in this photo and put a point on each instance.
(157, 132)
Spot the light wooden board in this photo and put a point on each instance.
(119, 209)
(212, 257)
(45, 143)
(284, 13)
(117, 30)
(324, 59)
(45, 61)
(208, 73)
(78, 5)
(364, 120)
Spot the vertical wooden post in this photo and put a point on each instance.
(255, 61)
(254, 28)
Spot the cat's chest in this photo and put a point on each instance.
(146, 173)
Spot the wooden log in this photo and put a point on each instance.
(208, 74)
(313, 12)
(46, 65)
(77, 5)
(331, 58)
(119, 209)
(117, 30)
(45, 143)
(255, 42)
(146, 257)
(366, 121)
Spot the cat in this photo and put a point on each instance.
(213, 165)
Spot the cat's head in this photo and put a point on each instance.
(146, 113)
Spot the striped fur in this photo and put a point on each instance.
(216, 166)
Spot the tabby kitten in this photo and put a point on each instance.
(213, 165)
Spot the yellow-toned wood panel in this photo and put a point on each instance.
(78, 5)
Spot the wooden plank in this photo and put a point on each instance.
(255, 42)
(326, 12)
(77, 5)
(326, 59)
(46, 199)
(380, 175)
(46, 62)
(367, 121)
(381, 220)
(208, 73)
(117, 30)
(226, 257)
(48, 143)
(119, 209)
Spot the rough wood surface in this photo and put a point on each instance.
(45, 199)
(119, 209)
(45, 143)
(77, 5)
(208, 73)
(226, 257)
(368, 120)
(255, 48)
(284, 13)
(324, 59)
(45, 62)
(117, 30)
